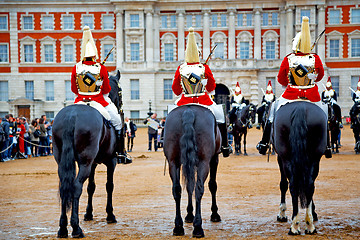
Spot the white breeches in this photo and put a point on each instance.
(218, 112)
(114, 115)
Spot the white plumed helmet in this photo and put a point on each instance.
(88, 47)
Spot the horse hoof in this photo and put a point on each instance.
(215, 217)
(294, 233)
(281, 219)
(245, 154)
(88, 217)
(315, 217)
(310, 232)
(178, 231)
(198, 232)
(189, 218)
(78, 234)
(62, 233)
(111, 219)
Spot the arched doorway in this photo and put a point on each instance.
(222, 95)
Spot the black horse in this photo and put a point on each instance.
(355, 125)
(244, 118)
(334, 120)
(263, 114)
(299, 138)
(81, 136)
(192, 140)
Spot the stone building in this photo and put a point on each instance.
(40, 43)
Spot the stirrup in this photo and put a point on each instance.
(226, 151)
(123, 158)
(328, 153)
(262, 148)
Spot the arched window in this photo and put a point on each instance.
(244, 45)
(270, 45)
(168, 47)
(219, 39)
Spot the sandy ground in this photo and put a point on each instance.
(248, 198)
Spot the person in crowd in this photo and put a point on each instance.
(42, 137)
(34, 137)
(21, 130)
(161, 132)
(27, 141)
(130, 129)
(6, 127)
(12, 136)
(2, 140)
(153, 126)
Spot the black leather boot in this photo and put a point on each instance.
(328, 153)
(225, 147)
(263, 145)
(121, 155)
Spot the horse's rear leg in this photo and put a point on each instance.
(245, 153)
(109, 189)
(176, 190)
(295, 225)
(190, 216)
(90, 189)
(283, 188)
(202, 173)
(215, 217)
(63, 232)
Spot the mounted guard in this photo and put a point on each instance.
(267, 100)
(356, 94)
(329, 96)
(90, 83)
(298, 73)
(193, 81)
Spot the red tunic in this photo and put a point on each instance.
(104, 89)
(22, 131)
(204, 99)
(292, 93)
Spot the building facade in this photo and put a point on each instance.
(40, 42)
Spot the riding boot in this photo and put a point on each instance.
(225, 147)
(328, 153)
(263, 145)
(121, 155)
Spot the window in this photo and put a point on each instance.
(49, 90)
(304, 13)
(355, 15)
(49, 115)
(249, 19)
(68, 53)
(274, 19)
(164, 21)
(223, 20)
(3, 23)
(354, 82)
(214, 19)
(69, 95)
(4, 53)
(168, 94)
(173, 21)
(240, 19)
(270, 49)
(68, 23)
(135, 51)
(244, 50)
(47, 23)
(134, 89)
(28, 22)
(134, 114)
(49, 52)
(189, 21)
(334, 16)
(219, 50)
(355, 47)
(265, 19)
(169, 51)
(108, 22)
(334, 48)
(197, 20)
(29, 90)
(134, 20)
(88, 21)
(4, 91)
(107, 48)
(29, 52)
(335, 84)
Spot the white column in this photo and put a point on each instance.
(282, 20)
(320, 27)
(149, 34)
(231, 49)
(156, 36)
(119, 38)
(181, 35)
(257, 34)
(14, 43)
(206, 33)
(289, 28)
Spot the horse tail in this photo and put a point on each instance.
(67, 171)
(298, 143)
(188, 148)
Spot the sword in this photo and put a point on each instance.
(263, 91)
(107, 56)
(212, 50)
(317, 39)
(352, 90)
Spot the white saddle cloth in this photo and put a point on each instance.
(98, 107)
(216, 109)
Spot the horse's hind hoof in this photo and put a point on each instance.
(189, 218)
(78, 233)
(88, 217)
(111, 219)
(294, 233)
(178, 231)
(309, 232)
(62, 233)
(215, 217)
(281, 219)
(245, 154)
(198, 232)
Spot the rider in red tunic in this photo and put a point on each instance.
(193, 80)
(298, 73)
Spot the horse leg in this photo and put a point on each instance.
(190, 216)
(90, 189)
(240, 137)
(245, 133)
(236, 141)
(309, 192)
(295, 225)
(63, 232)
(215, 217)
(109, 189)
(202, 172)
(283, 188)
(176, 191)
(83, 174)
